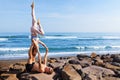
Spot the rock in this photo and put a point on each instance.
(4, 69)
(61, 58)
(90, 77)
(52, 60)
(86, 62)
(116, 57)
(59, 63)
(17, 67)
(81, 56)
(115, 64)
(8, 76)
(97, 71)
(57, 66)
(76, 66)
(98, 61)
(117, 73)
(107, 58)
(69, 73)
(93, 55)
(112, 67)
(36, 76)
(110, 78)
(74, 61)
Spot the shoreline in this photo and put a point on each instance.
(61, 54)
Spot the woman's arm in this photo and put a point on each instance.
(40, 27)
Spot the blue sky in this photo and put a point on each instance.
(61, 15)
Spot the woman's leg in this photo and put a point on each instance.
(33, 14)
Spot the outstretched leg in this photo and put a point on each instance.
(33, 14)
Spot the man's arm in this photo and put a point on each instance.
(45, 57)
(39, 59)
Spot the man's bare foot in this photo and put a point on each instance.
(38, 21)
(32, 5)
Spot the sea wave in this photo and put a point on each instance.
(111, 37)
(15, 36)
(97, 47)
(60, 37)
(101, 38)
(13, 49)
(3, 39)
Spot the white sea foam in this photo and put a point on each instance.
(13, 49)
(60, 37)
(90, 47)
(111, 37)
(3, 39)
(97, 47)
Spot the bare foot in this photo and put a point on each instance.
(32, 5)
(38, 21)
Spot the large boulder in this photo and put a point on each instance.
(17, 67)
(8, 76)
(69, 73)
(73, 60)
(112, 67)
(110, 78)
(115, 64)
(86, 62)
(97, 71)
(81, 56)
(36, 76)
(98, 61)
(116, 57)
(93, 55)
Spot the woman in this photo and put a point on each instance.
(34, 29)
(32, 65)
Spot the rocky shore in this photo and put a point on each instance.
(80, 67)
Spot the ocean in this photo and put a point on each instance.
(16, 45)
